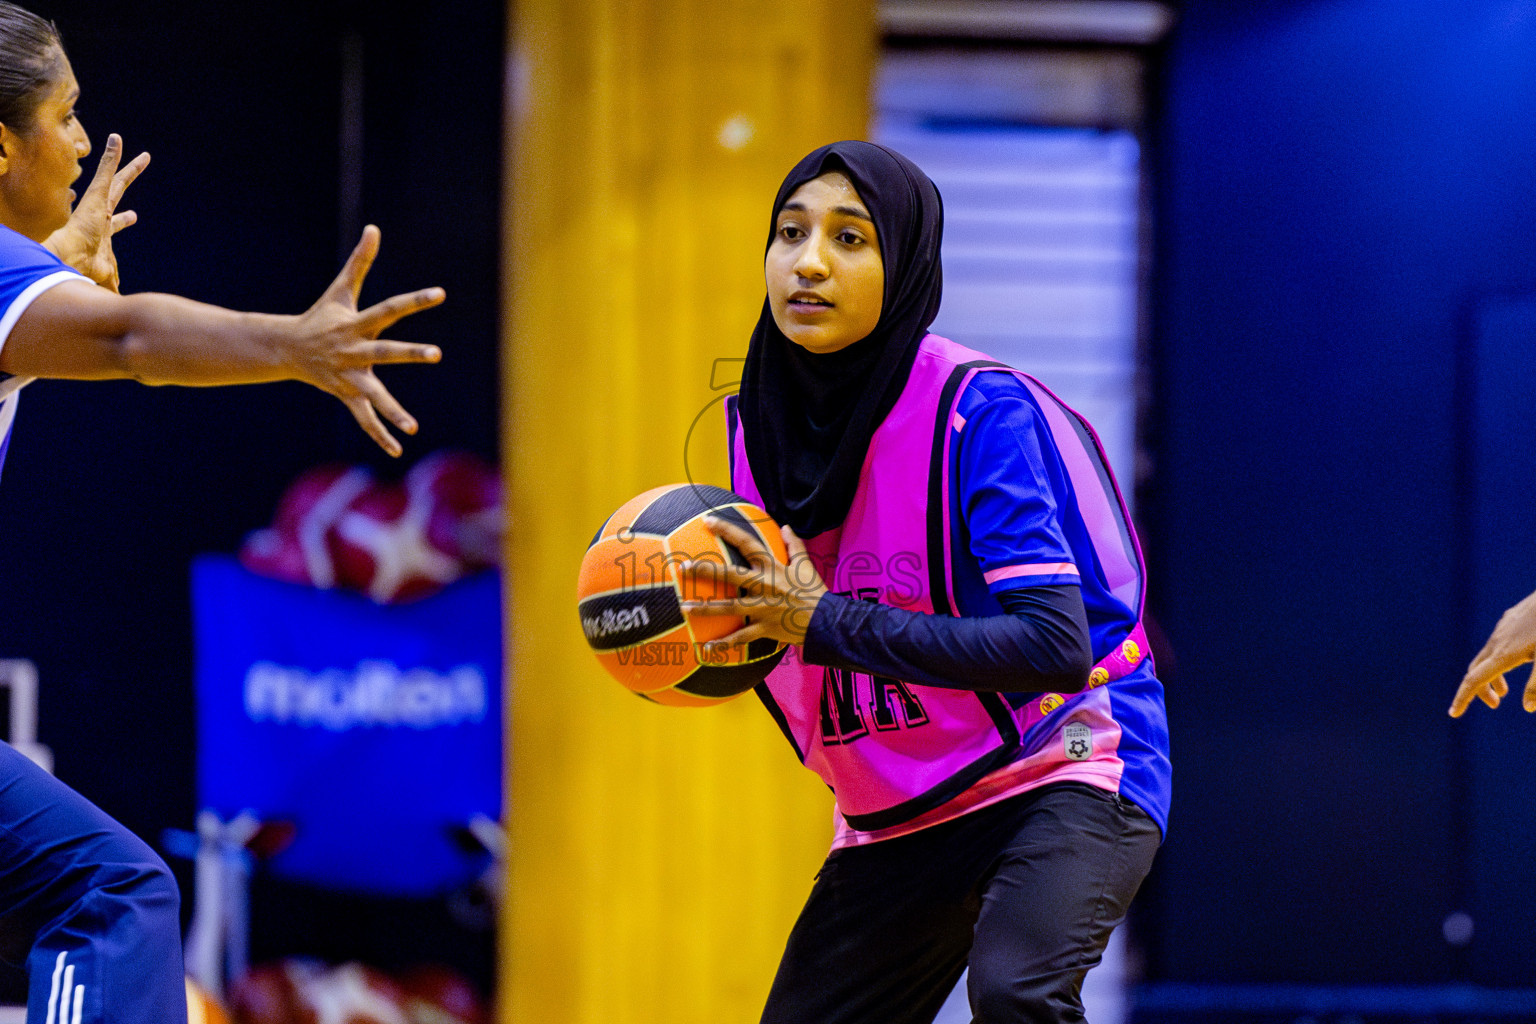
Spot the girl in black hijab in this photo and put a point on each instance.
(973, 691)
(808, 416)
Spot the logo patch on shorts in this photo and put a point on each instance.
(1077, 741)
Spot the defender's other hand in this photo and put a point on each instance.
(85, 242)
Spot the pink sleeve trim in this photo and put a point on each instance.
(1009, 572)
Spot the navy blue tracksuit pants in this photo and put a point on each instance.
(99, 908)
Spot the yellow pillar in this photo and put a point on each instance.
(657, 856)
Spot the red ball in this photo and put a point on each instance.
(298, 546)
(463, 494)
(336, 526)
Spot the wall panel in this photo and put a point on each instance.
(658, 856)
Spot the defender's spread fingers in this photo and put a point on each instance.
(362, 410)
(350, 281)
(1474, 686)
(1485, 669)
(107, 166)
(385, 403)
(125, 177)
(1460, 702)
(382, 315)
(380, 353)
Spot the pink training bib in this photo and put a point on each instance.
(891, 750)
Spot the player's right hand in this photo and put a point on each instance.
(85, 242)
(337, 346)
(1513, 643)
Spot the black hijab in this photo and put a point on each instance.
(808, 417)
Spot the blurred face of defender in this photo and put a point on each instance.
(39, 162)
(826, 280)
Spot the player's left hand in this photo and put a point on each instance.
(1513, 643)
(776, 598)
(85, 242)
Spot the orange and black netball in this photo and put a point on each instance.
(630, 591)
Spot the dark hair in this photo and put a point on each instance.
(31, 58)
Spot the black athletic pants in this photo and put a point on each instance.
(1025, 891)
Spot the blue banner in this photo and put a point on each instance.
(375, 730)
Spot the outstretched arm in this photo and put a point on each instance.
(1513, 643)
(79, 331)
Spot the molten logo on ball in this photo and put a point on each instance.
(611, 621)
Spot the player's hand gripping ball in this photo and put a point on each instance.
(630, 588)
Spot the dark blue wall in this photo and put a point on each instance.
(1343, 186)
(111, 488)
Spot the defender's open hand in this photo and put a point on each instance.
(1513, 643)
(335, 347)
